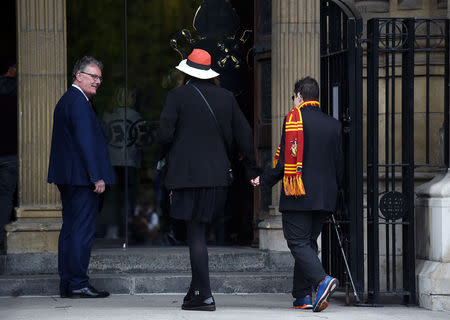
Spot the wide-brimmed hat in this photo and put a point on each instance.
(198, 65)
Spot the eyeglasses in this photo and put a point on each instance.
(94, 76)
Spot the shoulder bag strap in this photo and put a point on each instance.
(214, 117)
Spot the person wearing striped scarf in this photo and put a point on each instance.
(309, 162)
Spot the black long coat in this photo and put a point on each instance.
(323, 164)
(194, 148)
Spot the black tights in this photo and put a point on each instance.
(196, 234)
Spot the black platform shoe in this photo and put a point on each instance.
(198, 302)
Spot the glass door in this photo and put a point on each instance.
(140, 42)
(150, 75)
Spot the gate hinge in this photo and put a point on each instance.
(346, 119)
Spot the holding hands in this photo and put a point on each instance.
(255, 182)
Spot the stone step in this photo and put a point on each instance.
(221, 282)
(152, 260)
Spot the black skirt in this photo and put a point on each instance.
(198, 204)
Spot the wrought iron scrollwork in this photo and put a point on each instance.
(393, 34)
(429, 33)
(216, 25)
(393, 205)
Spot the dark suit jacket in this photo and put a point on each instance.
(323, 164)
(79, 152)
(192, 143)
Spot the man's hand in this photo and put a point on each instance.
(99, 186)
(255, 182)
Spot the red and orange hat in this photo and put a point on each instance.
(198, 65)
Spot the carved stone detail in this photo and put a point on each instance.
(410, 4)
(372, 6)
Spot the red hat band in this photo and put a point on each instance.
(199, 59)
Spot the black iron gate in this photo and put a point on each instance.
(341, 97)
(405, 55)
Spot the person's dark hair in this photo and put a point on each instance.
(308, 88)
(184, 77)
(82, 63)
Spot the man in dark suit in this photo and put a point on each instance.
(309, 161)
(80, 167)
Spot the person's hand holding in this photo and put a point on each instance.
(255, 182)
(99, 186)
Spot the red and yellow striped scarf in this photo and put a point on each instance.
(293, 151)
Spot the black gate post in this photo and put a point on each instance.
(409, 274)
(355, 179)
(373, 268)
(447, 95)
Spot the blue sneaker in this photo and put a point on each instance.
(303, 303)
(324, 290)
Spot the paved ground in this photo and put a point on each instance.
(251, 306)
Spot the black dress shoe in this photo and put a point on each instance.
(199, 303)
(189, 295)
(64, 291)
(88, 292)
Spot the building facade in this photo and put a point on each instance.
(138, 54)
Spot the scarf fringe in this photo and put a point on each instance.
(293, 186)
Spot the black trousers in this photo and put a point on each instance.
(79, 214)
(301, 230)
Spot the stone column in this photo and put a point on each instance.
(433, 243)
(433, 240)
(42, 79)
(295, 54)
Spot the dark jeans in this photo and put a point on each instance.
(8, 183)
(301, 230)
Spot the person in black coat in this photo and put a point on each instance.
(198, 124)
(309, 162)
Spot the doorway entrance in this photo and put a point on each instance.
(140, 43)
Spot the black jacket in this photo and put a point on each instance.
(8, 118)
(191, 142)
(323, 164)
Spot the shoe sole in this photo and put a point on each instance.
(328, 291)
(308, 306)
(323, 306)
(200, 308)
(88, 297)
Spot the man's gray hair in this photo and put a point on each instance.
(82, 63)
